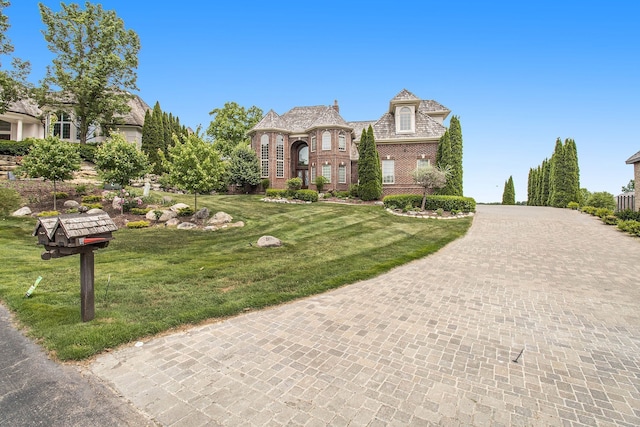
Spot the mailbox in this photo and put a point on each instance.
(72, 234)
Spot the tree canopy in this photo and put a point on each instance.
(429, 178)
(194, 165)
(94, 67)
(13, 82)
(119, 161)
(51, 159)
(230, 125)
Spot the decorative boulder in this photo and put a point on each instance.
(178, 206)
(220, 218)
(210, 228)
(186, 226)
(151, 215)
(237, 224)
(71, 204)
(95, 211)
(173, 222)
(202, 214)
(269, 242)
(25, 211)
(166, 215)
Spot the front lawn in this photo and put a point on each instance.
(151, 280)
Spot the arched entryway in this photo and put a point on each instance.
(300, 156)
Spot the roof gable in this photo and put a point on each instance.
(405, 95)
(634, 159)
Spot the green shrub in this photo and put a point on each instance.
(265, 183)
(81, 189)
(573, 205)
(275, 193)
(92, 205)
(320, 183)
(602, 212)
(630, 226)
(589, 210)
(140, 211)
(87, 152)
(610, 220)
(353, 190)
(9, 201)
(306, 195)
(188, 211)
(72, 210)
(628, 214)
(294, 184)
(15, 148)
(343, 194)
(60, 195)
(48, 213)
(138, 224)
(602, 199)
(91, 199)
(433, 203)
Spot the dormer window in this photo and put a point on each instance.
(405, 119)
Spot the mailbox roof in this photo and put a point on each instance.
(77, 225)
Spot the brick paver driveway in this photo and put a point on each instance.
(430, 343)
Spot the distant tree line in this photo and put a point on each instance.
(556, 182)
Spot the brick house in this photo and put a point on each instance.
(635, 161)
(307, 142)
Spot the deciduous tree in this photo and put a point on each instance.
(13, 82)
(230, 125)
(119, 161)
(429, 178)
(94, 66)
(194, 165)
(51, 159)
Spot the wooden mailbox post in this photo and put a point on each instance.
(72, 234)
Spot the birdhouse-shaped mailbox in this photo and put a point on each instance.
(73, 234)
(77, 234)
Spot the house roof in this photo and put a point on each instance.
(634, 159)
(426, 127)
(405, 95)
(135, 117)
(301, 119)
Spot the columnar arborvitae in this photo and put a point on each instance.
(509, 193)
(443, 157)
(369, 167)
(572, 171)
(545, 183)
(157, 134)
(557, 181)
(454, 182)
(530, 187)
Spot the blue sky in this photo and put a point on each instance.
(519, 74)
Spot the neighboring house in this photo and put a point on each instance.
(635, 161)
(24, 119)
(307, 142)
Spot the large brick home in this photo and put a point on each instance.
(24, 119)
(635, 161)
(307, 142)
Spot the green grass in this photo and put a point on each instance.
(163, 278)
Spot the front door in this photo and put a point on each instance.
(302, 166)
(303, 174)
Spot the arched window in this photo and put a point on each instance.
(280, 156)
(405, 119)
(326, 140)
(303, 156)
(264, 156)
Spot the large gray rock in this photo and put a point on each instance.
(95, 211)
(117, 202)
(186, 226)
(167, 215)
(71, 204)
(173, 222)
(269, 242)
(220, 218)
(178, 206)
(25, 211)
(202, 214)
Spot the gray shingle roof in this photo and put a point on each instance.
(86, 225)
(301, 119)
(135, 117)
(432, 106)
(405, 95)
(426, 127)
(634, 159)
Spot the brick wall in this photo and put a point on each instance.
(405, 157)
(636, 174)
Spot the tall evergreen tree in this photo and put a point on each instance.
(559, 193)
(509, 193)
(530, 190)
(572, 171)
(454, 182)
(369, 167)
(545, 183)
(443, 156)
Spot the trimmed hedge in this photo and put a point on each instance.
(433, 203)
(21, 148)
(306, 195)
(275, 194)
(630, 226)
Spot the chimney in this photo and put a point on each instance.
(335, 106)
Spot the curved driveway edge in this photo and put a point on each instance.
(429, 343)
